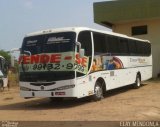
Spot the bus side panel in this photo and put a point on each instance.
(146, 72)
(84, 86)
(125, 77)
(143, 65)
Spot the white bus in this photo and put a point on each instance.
(79, 62)
(3, 73)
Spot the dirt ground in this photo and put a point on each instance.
(124, 104)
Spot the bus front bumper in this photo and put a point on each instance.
(30, 94)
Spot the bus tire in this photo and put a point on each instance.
(98, 92)
(137, 83)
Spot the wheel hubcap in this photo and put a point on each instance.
(98, 91)
(138, 82)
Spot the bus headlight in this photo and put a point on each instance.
(65, 87)
(24, 89)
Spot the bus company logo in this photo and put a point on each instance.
(138, 60)
(142, 60)
(42, 87)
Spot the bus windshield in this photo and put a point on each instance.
(49, 43)
(44, 57)
(51, 57)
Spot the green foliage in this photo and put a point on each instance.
(6, 55)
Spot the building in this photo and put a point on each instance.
(137, 18)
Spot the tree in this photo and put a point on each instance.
(6, 55)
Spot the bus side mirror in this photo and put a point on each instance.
(81, 52)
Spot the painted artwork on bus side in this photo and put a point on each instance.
(102, 62)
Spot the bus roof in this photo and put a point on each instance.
(78, 29)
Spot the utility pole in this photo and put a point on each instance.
(12, 57)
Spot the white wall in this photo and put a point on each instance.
(153, 36)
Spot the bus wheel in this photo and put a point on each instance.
(137, 82)
(98, 91)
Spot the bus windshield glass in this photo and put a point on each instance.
(50, 57)
(49, 43)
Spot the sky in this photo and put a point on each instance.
(19, 17)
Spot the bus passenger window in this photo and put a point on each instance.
(113, 44)
(99, 43)
(132, 47)
(123, 46)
